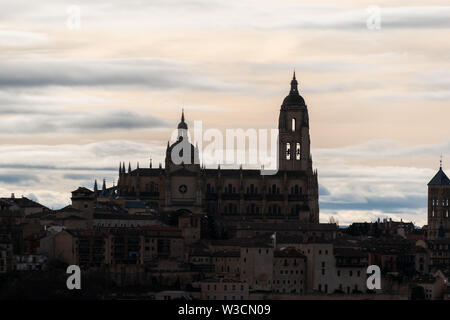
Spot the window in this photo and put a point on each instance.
(288, 151)
(293, 124)
(297, 151)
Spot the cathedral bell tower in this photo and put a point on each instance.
(293, 132)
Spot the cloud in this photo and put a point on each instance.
(382, 149)
(423, 17)
(143, 73)
(412, 96)
(76, 176)
(15, 38)
(19, 178)
(357, 189)
(342, 87)
(80, 122)
(323, 191)
(242, 15)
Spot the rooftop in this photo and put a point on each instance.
(440, 179)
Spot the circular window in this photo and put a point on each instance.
(182, 188)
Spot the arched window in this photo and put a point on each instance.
(293, 124)
(297, 151)
(288, 151)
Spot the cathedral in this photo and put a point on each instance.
(290, 195)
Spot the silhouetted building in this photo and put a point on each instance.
(229, 195)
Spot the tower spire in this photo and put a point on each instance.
(440, 163)
(182, 114)
(294, 85)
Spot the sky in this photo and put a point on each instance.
(85, 85)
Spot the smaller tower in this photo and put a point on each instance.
(438, 205)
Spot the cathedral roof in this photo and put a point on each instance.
(182, 124)
(293, 98)
(440, 179)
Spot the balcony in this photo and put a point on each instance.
(253, 196)
(230, 196)
(274, 197)
(298, 197)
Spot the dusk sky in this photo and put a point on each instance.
(76, 99)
